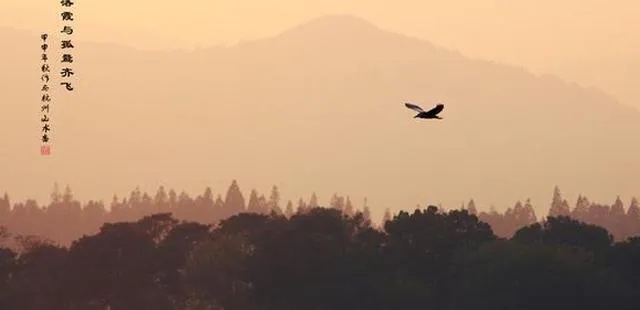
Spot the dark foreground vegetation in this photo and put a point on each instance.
(320, 258)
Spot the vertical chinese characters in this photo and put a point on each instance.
(67, 57)
(45, 147)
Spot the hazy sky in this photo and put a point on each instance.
(594, 42)
(531, 32)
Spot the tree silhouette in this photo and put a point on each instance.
(313, 201)
(564, 231)
(616, 219)
(302, 206)
(348, 207)
(274, 201)
(160, 200)
(471, 207)
(234, 201)
(337, 202)
(633, 218)
(386, 217)
(323, 258)
(559, 206)
(252, 205)
(289, 209)
(581, 211)
(366, 213)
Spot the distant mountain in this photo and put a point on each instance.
(316, 108)
(616, 75)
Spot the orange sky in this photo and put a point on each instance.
(512, 31)
(591, 42)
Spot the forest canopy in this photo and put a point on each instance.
(65, 219)
(321, 258)
(174, 251)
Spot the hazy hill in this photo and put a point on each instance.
(617, 75)
(317, 108)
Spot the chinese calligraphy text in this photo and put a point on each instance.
(66, 45)
(45, 100)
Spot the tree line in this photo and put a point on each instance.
(321, 258)
(622, 222)
(65, 219)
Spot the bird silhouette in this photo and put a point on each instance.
(433, 113)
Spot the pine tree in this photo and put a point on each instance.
(634, 208)
(289, 209)
(313, 201)
(337, 202)
(581, 211)
(530, 212)
(184, 201)
(633, 218)
(302, 206)
(205, 210)
(55, 195)
(160, 199)
(116, 210)
(559, 207)
(274, 201)
(348, 207)
(67, 197)
(253, 206)
(234, 201)
(518, 214)
(134, 198)
(219, 204)
(471, 207)
(173, 199)
(617, 209)
(208, 197)
(366, 214)
(599, 214)
(566, 209)
(617, 219)
(387, 217)
(263, 204)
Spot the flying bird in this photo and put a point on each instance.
(433, 113)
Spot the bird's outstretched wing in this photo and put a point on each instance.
(413, 107)
(436, 110)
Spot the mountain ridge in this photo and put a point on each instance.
(318, 24)
(334, 114)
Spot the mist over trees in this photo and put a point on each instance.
(66, 219)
